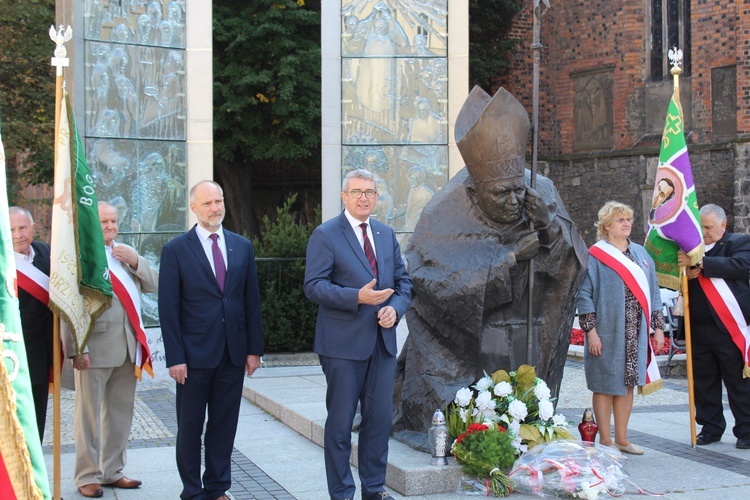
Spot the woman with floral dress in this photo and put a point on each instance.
(617, 305)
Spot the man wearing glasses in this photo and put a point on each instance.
(357, 277)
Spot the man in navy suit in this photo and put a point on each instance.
(354, 272)
(209, 307)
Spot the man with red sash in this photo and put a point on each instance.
(32, 267)
(107, 371)
(719, 316)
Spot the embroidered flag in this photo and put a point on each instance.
(674, 219)
(23, 473)
(80, 290)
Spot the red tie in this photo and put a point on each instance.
(369, 253)
(219, 267)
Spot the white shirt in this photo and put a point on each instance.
(358, 231)
(204, 237)
(32, 254)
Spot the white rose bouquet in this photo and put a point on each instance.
(518, 401)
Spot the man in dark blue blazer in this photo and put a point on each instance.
(354, 272)
(209, 307)
(716, 356)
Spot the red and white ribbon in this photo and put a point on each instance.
(127, 293)
(635, 279)
(32, 280)
(730, 314)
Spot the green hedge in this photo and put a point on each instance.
(288, 317)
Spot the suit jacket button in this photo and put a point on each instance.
(223, 320)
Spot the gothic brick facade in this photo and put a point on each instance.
(601, 113)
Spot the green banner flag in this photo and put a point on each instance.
(79, 290)
(23, 473)
(674, 219)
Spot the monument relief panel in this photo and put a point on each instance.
(724, 100)
(593, 109)
(135, 117)
(394, 101)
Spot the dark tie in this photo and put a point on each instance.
(369, 253)
(219, 267)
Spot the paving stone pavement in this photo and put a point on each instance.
(272, 461)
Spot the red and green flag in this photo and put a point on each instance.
(79, 287)
(674, 218)
(23, 474)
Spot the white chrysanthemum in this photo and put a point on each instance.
(463, 397)
(503, 389)
(546, 410)
(541, 391)
(559, 420)
(489, 415)
(504, 417)
(514, 427)
(483, 384)
(517, 409)
(484, 401)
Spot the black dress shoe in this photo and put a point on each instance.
(704, 439)
(743, 443)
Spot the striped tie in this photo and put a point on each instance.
(369, 253)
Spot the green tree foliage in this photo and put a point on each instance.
(266, 81)
(288, 317)
(489, 25)
(27, 85)
(266, 96)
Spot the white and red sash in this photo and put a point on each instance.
(636, 281)
(32, 280)
(728, 309)
(127, 293)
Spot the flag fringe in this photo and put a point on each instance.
(651, 387)
(13, 448)
(746, 371)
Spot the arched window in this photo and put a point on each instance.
(670, 27)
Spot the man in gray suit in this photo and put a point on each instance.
(105, 375)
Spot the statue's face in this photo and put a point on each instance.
(501, 200)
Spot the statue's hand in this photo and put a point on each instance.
(527, 247)
(537, 211)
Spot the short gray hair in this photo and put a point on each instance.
(719, 212)
(21, 210)
(192, 189)
(358, 174)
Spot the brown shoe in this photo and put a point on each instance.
(92, 490)
(125, 483)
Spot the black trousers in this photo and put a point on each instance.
(715, 359)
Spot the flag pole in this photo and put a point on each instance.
(59, 61)
(689, 356)
(675, 71)
(536, 47)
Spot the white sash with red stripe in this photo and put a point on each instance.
(636, 281)
(127, 293)
(32, 280)
(728, 309)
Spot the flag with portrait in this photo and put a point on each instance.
(674, 219)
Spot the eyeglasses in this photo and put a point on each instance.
(369, 194)
(623, 220)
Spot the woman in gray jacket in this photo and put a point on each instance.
(618, 303)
